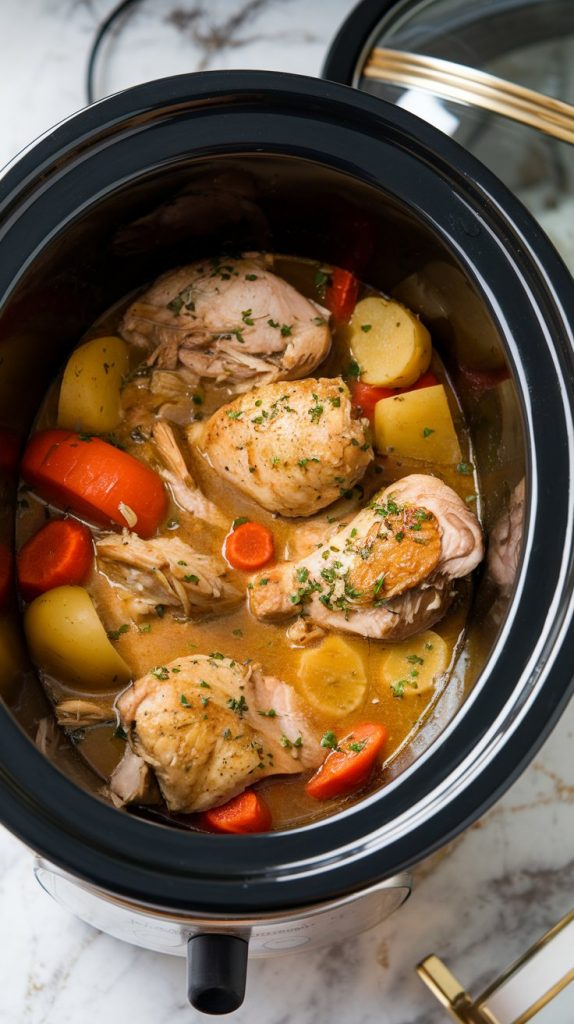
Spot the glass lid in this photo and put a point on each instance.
(496, 75)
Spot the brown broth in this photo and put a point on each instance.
(237, 634)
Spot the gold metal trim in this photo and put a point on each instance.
(452, 995)
(476, 88)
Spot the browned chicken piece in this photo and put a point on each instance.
(231, 321)
(209, 727)
(164, 571)
(177, 475)
(294, 448)
(388, 573)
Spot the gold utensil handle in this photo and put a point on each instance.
(467, 85)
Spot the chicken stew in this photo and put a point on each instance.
(249, 527)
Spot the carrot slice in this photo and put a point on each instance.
(6, 563)
(349, 765)
(366, 396)
(244, 813)
(341, 295)
(59, 555)
(249, 547)
(95, 480)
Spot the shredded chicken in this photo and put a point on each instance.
(164, 571)
(293, 448)
(177, 475)
(79, 714)
(231, 321)
(388, 573)
(209, 727)
(133, 781)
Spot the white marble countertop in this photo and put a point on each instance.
(502, 883)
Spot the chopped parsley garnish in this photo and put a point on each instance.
(183, 700)
(115, 634)
(273, 323)
(322, 278)
(329, 740)
(239, 706)
(251, 277)
(399, 536)
(191, 578)
(303, 463)
(379, 584)
(319, 320)
(239, 522)
(353, 370)
(234, 414)
(316, 411)
(160, 610)
(145, 629)
(366, 328)
(264, 581)
(427, 431)
(464, 468)
(247, 318)
(286, 330)
(290, 744)
(227, 734)
(269, 714)
(217, 655)
(413, 659)
(161, 673)
(335, 402)
(204, 701)
(302, 575)
(237, 632)
(357, 746)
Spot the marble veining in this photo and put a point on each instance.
(479, 902)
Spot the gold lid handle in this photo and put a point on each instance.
(453, 81)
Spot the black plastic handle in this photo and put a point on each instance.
(216, 972)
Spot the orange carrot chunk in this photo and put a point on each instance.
(59, 555)
(249, 547)
(95, 480)
(349, 763)
(341, 295)
(244, 813)
(6, 566)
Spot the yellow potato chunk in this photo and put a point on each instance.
(413, 666)
(90, 392)
(389, 342)
(417, 425)
(332, 677)
(67, 640)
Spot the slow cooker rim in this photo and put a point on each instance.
(313, 87)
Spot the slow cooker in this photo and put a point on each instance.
(188, 166)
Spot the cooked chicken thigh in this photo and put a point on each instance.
(209, 727)
(231, 321)
(164, 571)
(388, 573)
(294, 448)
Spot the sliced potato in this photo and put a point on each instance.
(417, 425)
(333, 679)
(67, 640)
(413, 666)
(90, 392)
(389, 342)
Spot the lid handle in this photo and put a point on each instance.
(216, 972)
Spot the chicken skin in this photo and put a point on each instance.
(229, 321)
(388, 573)
(209, 727)
(165, 571)
(294, 448)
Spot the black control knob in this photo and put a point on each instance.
(216, 972)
